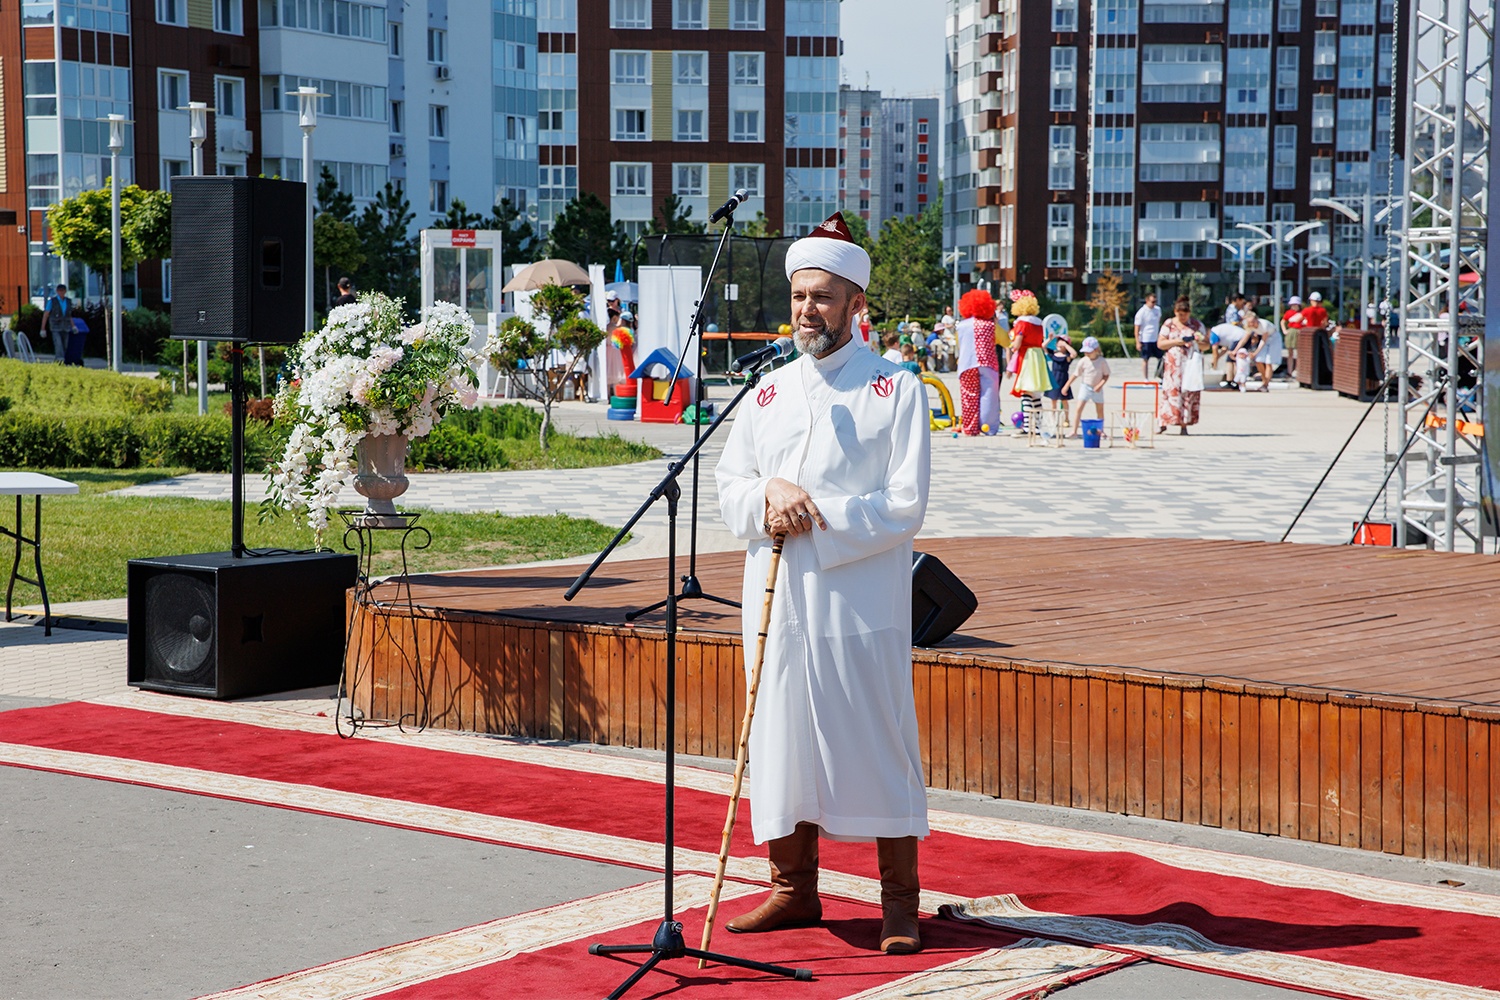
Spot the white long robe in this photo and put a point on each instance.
(834, 741)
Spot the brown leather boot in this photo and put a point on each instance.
(900, 893)
(794, 877)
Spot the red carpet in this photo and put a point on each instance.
(1233, 912)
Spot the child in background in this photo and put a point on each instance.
(909, 359)
(1060, 356)
(1089, 374)
(892, 343)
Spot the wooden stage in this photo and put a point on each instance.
(1346, 695)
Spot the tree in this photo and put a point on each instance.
(521, 347)
(332, 199)
(906, 268)
(1108, 298)
(390, 250)
(760, 227)
(336, 247)
(459, 217)
(1197, 291)
(583, 232)
(80, 227)
(859, 229)
(674, 218)
(518, 242)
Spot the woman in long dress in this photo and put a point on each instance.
(1182, 369)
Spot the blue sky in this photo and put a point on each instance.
(899, 43)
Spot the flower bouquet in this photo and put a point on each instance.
(364, 377)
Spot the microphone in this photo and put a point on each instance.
(734, 202)
(779, 349)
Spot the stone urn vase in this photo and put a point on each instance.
(381, 477)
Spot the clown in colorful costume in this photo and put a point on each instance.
(978, 365)
(1028, 360)
(833, 451)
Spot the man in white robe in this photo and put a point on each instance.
(833, 451)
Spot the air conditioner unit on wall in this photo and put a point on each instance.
(442, 73)
(398, 149)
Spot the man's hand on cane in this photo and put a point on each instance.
(789, 510)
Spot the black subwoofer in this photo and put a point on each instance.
(940, 602)
(215, 626)
(239, 259)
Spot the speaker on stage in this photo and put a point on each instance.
(940, 602)
(239, 259)
(215, 626)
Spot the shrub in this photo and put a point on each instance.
(508, 421)
(157, 440)
(65, 391)
(28, 320)
(452, 447)
(146, 330)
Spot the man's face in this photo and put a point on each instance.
(1151, 298)
(822, 307)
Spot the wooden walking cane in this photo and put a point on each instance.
(743, 752)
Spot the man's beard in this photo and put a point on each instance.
(817, 343)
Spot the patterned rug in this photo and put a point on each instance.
(1008, 900)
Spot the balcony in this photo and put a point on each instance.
(1177, 230)
(989, 216)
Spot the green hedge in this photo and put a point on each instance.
(451, 447)
(157, 440)
(56, 389)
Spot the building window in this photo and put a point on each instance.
(689, 70)
(1284, 170)
(437, 46)
(1064, 78)
(1354, 124)
(632, 178)
(630, 125)
(1065, 15)
(747, 15)
(395, 39)
(437, 196)
(1326, 8)
(1320, 175)
(1061, 158)
(227, 17)
(1289, 16)
(1165, 80)
(746, 127)
(1060, 235)
(1286, 78)
(398, 118)
(632, 67)
(630, 13)
(687, 15)
(1322, 119)
(1153, 12)
(437, 122)
(231, 96)
(1187, 152)
(689, 180)
(1356, 62)
(745, 72)
(1325, 54)
(747, 176)
(172, 86)
(171, 169)
(1060, 291)
(172, 12)
(690, 126)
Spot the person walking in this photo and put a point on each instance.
(58, 322)
(834, 454)
(1147, 333)
(1182, 369)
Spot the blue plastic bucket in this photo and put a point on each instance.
(1092, 431)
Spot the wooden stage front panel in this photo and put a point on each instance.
(1342, 695)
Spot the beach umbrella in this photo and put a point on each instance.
(628, 291)
(546, 272)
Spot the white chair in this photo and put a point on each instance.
(8, 336)
(23, 348)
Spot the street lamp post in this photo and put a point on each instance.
(1366, 217)
(1242, 247)
(1281, 231)
(198, 134)
(116, 145)
(954, 256)
(307, 118)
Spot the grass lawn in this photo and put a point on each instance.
(88, 538)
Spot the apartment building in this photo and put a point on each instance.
(886, 167)
(1128, 134)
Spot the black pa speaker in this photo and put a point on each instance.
(215, 626)
(239, 259)
(940, 602)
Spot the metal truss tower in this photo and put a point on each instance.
(1443, 250)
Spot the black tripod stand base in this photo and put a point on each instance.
(691, 588)
(668, 943)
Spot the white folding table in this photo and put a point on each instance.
(35, 485)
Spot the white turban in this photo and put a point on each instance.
(831, 248)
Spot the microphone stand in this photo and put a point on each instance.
(668, 941)
(691, 587)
